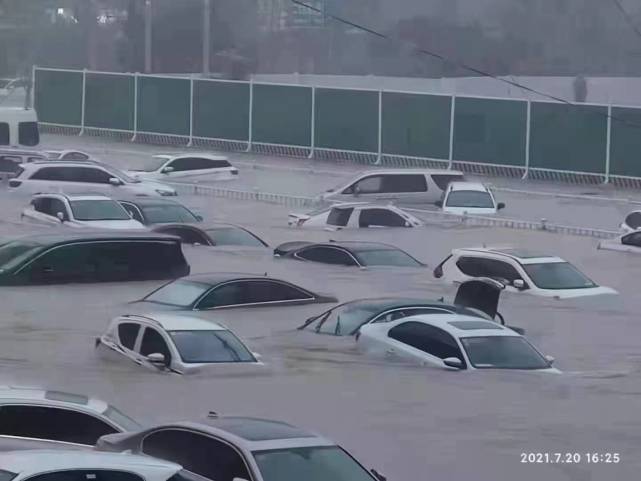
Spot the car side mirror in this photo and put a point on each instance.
(438, 203)
(115, 181)
(377, 475)
(60, 216)
(167, 170)
(500, 205)
(519, 284)
(157, 359)
(550, 360)
(453, 362)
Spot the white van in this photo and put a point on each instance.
(402, 186)
(18, 127)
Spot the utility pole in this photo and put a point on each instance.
(206, 35)
(148, 37)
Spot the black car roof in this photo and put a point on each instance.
(214, 278)
(88, 235)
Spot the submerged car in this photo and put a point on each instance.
(34, 414)
(227, 448)
(355, 215)
(69, 210)
(452, 341)
(217, 234)
(56, 465)
(469, 198)
(169, 167)
(150, 211)
(224, 290)
(173, 343)
(630, 242)
(521, 271)
(80, 256)
(348, 253)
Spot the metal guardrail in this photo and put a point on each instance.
(428, 215)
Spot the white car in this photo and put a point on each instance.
(465, 198)
(452, 341)
(214, 167)
(632, 222)
(354, 215)
(58, 465)
(174, 343)
(82, 176)
(96, 211)
(520, 271)
(630, 242)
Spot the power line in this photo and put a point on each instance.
(461, 65)
(627, 17)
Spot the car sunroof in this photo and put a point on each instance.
(472, 325)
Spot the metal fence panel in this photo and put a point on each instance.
(568, 137)
(346, 120)
(490, 131)
(58, 96)
(109, 101)
(416, 125)
(625, 146)
(163, 105)
(282, 115)
(221, 110)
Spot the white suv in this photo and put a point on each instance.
(83, 176)
(79, 210)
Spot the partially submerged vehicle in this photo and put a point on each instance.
(354, 215)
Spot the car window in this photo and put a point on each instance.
(128, 333)
(4, 133)
(398, 183)
(495, 269)
(59, 206)
(429, 339)
(633, 220)
(133, 211)
(229, 294)
(210, 346)
(234, 236)
(167, 214)
(197, 453)
(386, 257)
(49, 173)
(380, 218)
(51, 423)
(187, 235)
(178, 293)
(369, 185)
(28, 133)
(443, 180)
(91, 175)
(327, 255)
(557, 275)
(339, 216)
(87, 475)
(473, 266)
(633, 239)
(272, 291)
(43, 205)
(153, 342)
(9, 163)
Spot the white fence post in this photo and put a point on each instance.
(191, 112)
(380, 128)
(608, 145)
(32, 100)
(528, 126)
(452, 115)
(313, 125)
(250, 133)
(133, 137)
(82, 108)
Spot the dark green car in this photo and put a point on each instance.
(90, 257)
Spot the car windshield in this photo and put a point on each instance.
(386, 257)
(120, 419)
(557, 275)
(469, 198)
(210, 347)
(178, 293)
(13, 253)
(7, 475)
(151, 164)
(344, 320)
(233, 236)
(98, 210)
(167, 214)
(503, 352)
(321, 463)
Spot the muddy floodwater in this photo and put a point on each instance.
(410, 423)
